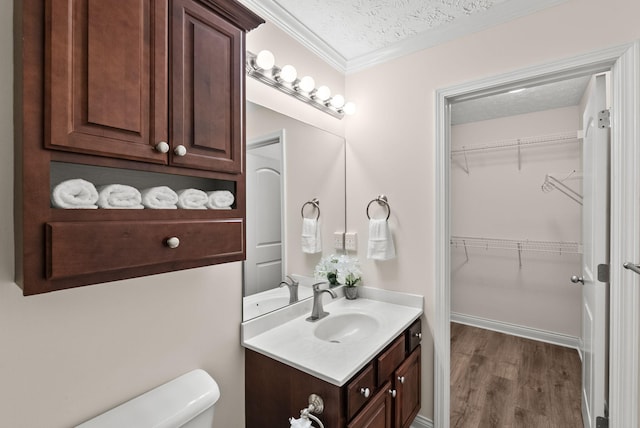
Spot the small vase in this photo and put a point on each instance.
(351, 293)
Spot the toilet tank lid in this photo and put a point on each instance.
(168, 406)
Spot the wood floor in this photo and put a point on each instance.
(498, 380)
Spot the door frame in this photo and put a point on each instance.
(624, 372)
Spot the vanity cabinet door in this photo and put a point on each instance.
(377, 414)
(207, 74)
(106, 78)
(407, 386)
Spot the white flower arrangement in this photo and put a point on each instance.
(339, 269)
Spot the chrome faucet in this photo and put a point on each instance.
(293, 289)
(318, 311)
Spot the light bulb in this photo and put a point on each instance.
(265, 60)
(322, 93)
(349, 108)
(337, 101)
(288, 74)
(306, 84)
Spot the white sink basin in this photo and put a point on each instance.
(346, 328)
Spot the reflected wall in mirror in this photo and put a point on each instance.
(289, 163)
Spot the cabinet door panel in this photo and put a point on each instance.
(407, 383)
(207, 76)
(106, 89)
(377, 414)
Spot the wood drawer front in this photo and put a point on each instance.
(355, 396)
(81, 248)
(390, 359)
(414, 335)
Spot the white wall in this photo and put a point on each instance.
(390, 141)
(497, 200)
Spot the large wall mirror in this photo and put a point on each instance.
(289, 165)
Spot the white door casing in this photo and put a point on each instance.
(595, 236)
(624, 371)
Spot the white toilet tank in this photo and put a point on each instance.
(187, 401)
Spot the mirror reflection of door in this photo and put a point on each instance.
(264, 267)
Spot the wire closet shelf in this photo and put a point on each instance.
(559, 138)
(555, 247)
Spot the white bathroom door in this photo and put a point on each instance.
(595, 224)
(263, 265)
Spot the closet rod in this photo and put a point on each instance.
(555, 247)
(560, 138)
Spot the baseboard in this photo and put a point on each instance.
(421, 422)
(518, 330)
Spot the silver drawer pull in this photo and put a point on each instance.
(633, 267)
(401, 379)
(366, 392)
(418, 335)
(393, 393)
(173, 242)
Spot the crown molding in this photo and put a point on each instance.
(498, 14)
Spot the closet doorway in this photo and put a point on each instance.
(517, 167)
(624, 64)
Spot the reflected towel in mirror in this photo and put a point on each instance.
(311, 237)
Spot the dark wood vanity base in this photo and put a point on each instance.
(384, 394)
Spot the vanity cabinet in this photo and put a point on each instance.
(385, 393)
(150, 91)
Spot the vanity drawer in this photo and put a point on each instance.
(89, 248)
(414, 335)
(360, 390)
(390, 359)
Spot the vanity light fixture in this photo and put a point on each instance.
(263, 68)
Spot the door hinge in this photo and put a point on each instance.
(602, 422)
(604, 119)
(603, 272)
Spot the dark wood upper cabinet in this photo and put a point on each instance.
(94, 82)
(106, 78)
(206, 65)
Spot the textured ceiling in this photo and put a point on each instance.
(565, 93)
(355, 34)
(355, 28)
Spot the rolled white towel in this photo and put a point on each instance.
(192, 199)
(74, 194)
(159, 198)
(220, 200)
(119, 196)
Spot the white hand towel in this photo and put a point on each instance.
(311, 238)
(192, 199)
(159, 198)
(119, 196)
(380, 245)
(220, 200)
(75, 194)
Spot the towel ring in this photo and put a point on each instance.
(315, 202)
(381, 200)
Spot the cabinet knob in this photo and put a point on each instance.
(162, 147)
(180, 150)
(401, 379)
(173, 242)
(366, 392)
(418, 335)
(393, 393)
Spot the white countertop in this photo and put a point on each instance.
(292, 341)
